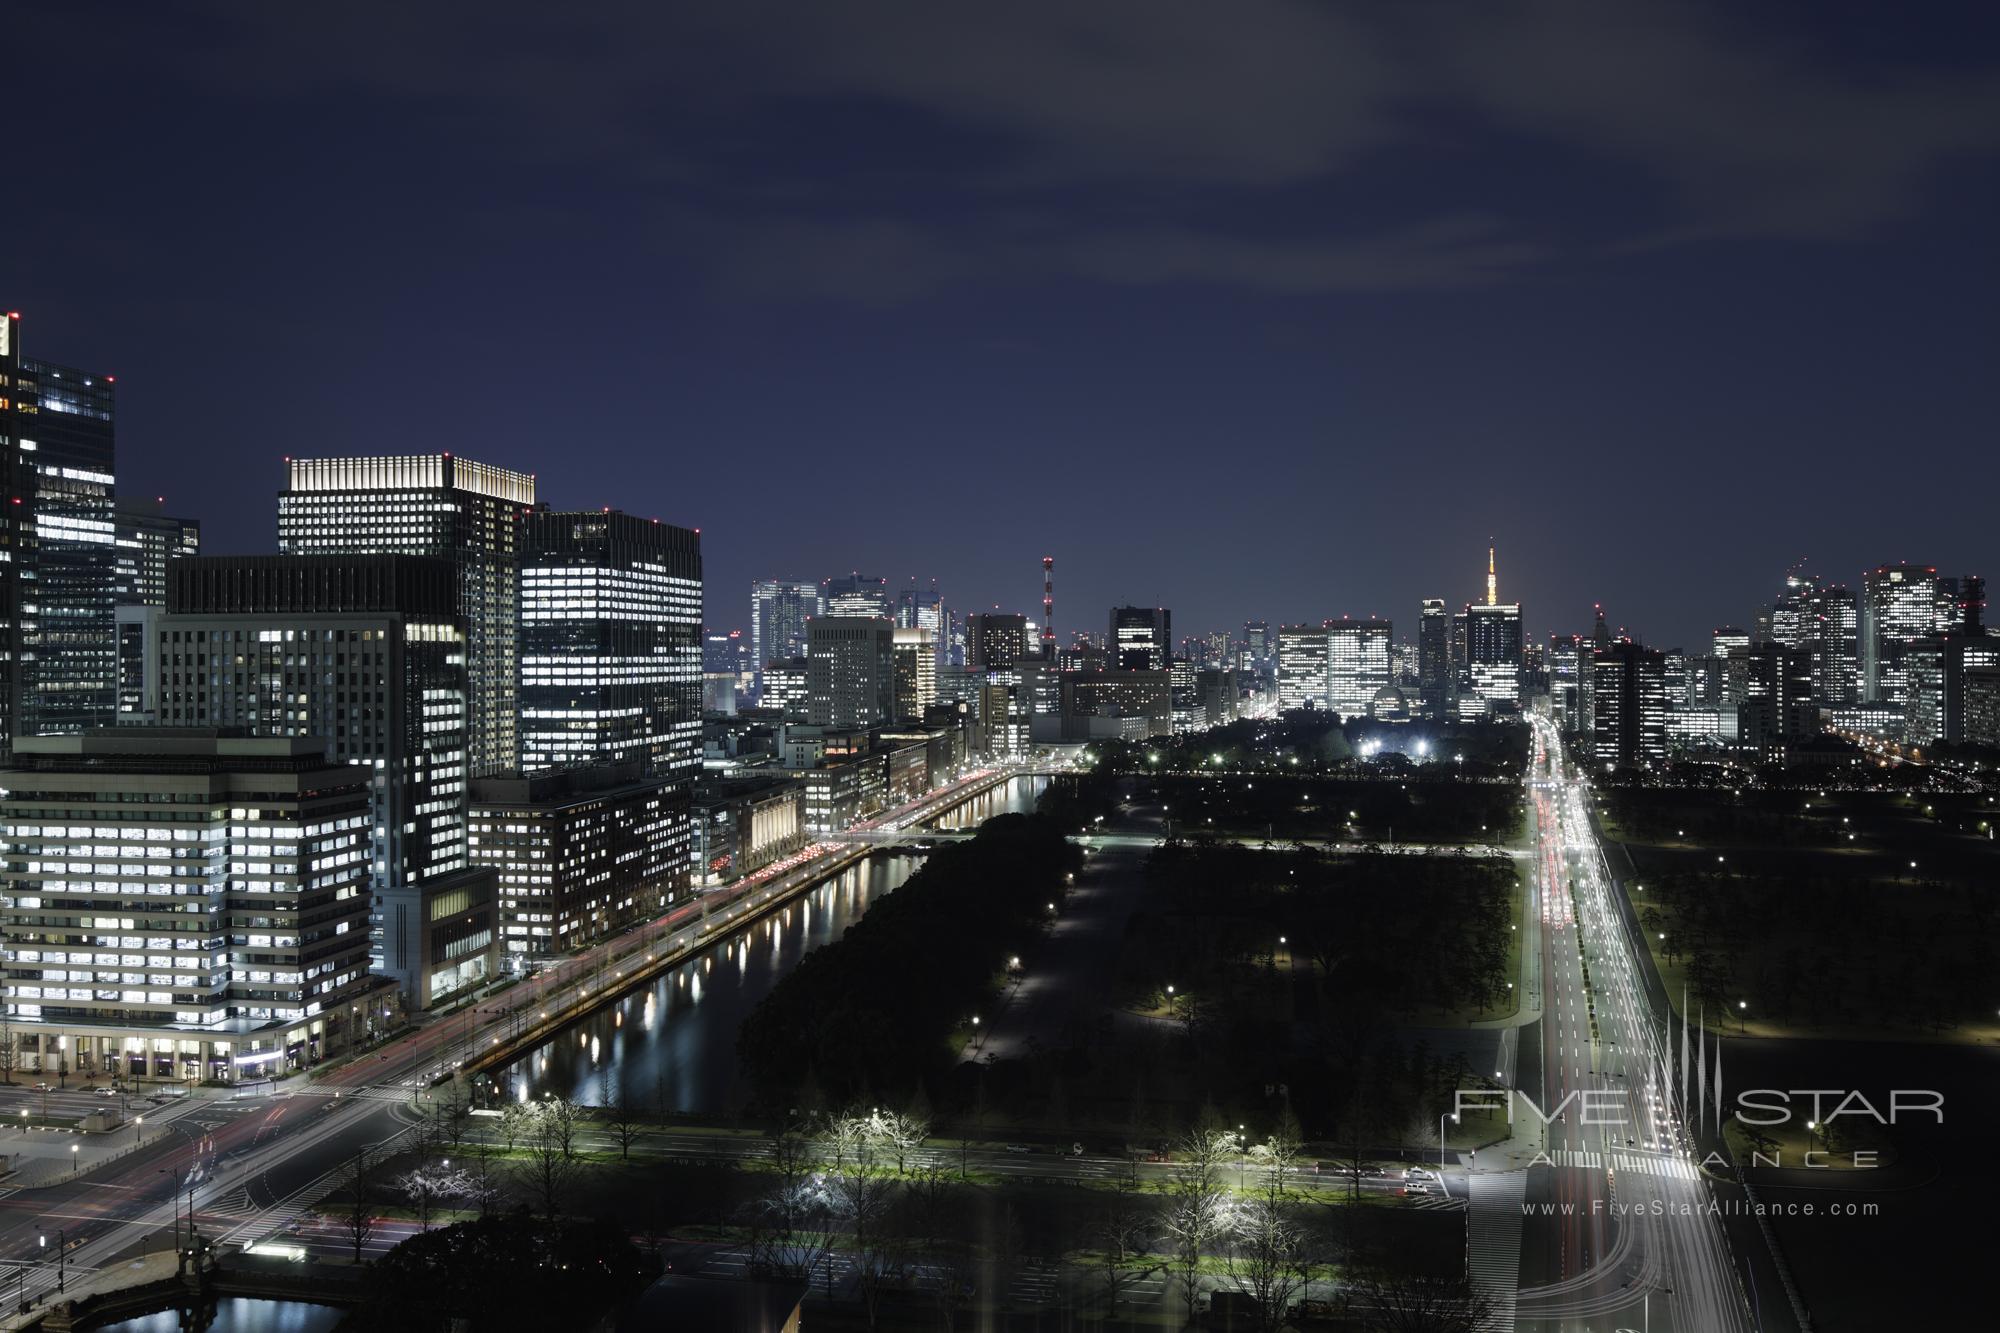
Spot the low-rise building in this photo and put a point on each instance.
(579, 853)
(744, 824)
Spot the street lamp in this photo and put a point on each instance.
(1441, 1120)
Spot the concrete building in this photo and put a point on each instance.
(185, 904)
(578, 854)
(851, 672)
(745, 823)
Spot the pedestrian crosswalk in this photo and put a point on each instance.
(1033, 1283)
(1436, 1202)
(1493, 1241)
(1646, 1165)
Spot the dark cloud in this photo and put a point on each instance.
(1684, 121)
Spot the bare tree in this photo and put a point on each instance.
(1193, 1224)
(10, 1049)
(359, 1221)
(1269, 1259)
(1420, 1303)
(793, 1227)
(551, 1166)
(452, 1114)
(1121, 1231)
(426, 1186)
(864, 1200)
(621, 1118)
(1278, 1156)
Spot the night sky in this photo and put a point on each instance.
(1256, 310)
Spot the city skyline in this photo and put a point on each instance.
(1481, 286)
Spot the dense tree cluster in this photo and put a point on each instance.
(1829, 949)
(874, 1010)
(507, 1273)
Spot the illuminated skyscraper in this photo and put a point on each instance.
(1303, 682)
(1898, 608)
(1435, 677)
(1357, 664)
(856, 595)
(779, 610)
(916, 673)
(437, 505)
(1630, 694)
(611, 645)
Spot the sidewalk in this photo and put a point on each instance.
(37, 1157)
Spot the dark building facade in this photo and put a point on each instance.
(1141, 638)
(367, 654)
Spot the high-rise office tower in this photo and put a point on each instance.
(1778, 705)
(921, 608)
(851, 672)
(60, 425)
(1258, 656)
(1141, 638)
(1835, 622)
(1435, 677)
(1898, 608)
(916, 673)
(1303, 682)
(610, 644)
(1493, 654)
(779, 610)
(1357, 664)
(147, 538)
(1566, 657)
(436, 505)
(856, 595)
(995, 641)
(366, 653)
(1630, 698)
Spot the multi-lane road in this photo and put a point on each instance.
(1627, 1234)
